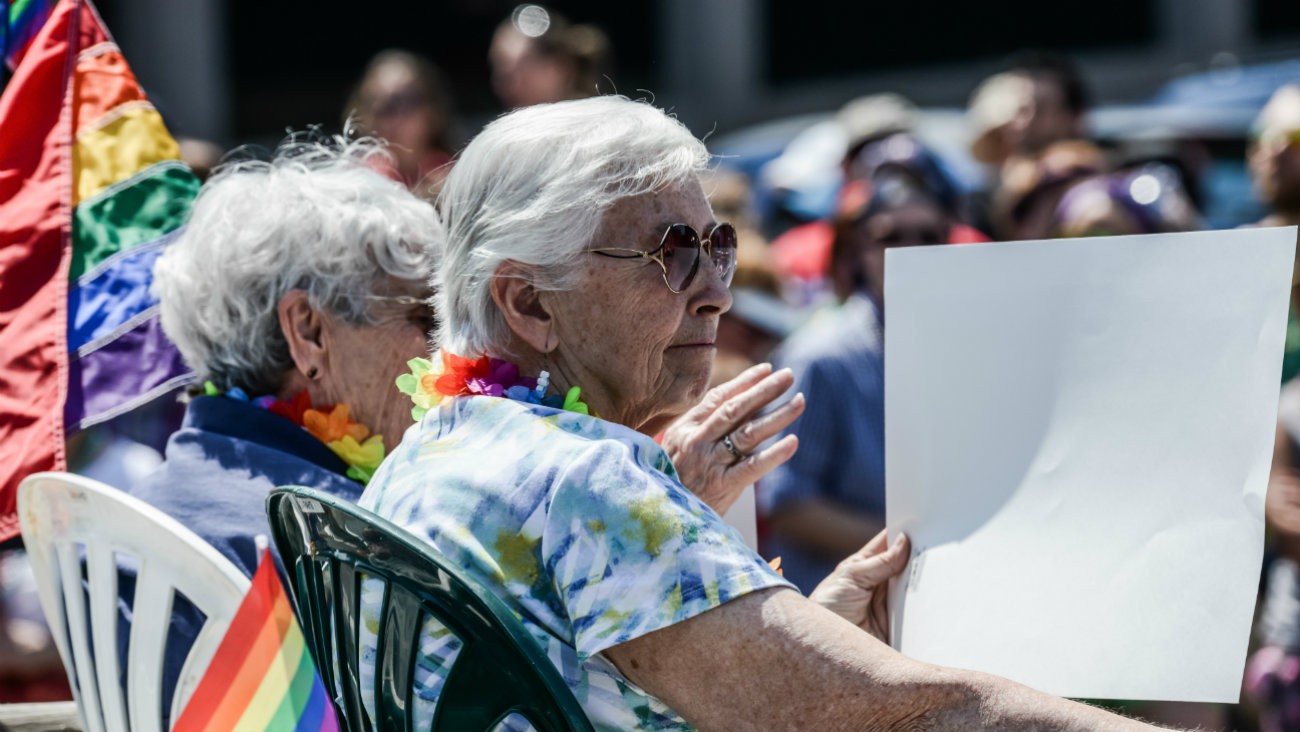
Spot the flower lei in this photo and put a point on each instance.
(429, 383)
(351, 441)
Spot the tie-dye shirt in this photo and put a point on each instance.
(580, 523)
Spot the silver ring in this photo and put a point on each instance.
(731, 447)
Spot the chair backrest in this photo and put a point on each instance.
(70, 522)
(332, 550)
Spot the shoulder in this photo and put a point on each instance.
(484, 449)
(541, 433)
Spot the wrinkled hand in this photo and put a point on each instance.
(694, 442)
(858, 589)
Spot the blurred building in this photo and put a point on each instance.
(237, 70)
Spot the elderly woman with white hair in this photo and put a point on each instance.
(582, 282)
(296, 288)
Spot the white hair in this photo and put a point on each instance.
(317, 218)
(532, 187)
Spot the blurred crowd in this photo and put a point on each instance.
(809, 289)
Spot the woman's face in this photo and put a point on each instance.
(400, 111)
(363, 360)
(641, 353)
(910, 225)
(522, 77)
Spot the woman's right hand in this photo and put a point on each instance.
(697, 442)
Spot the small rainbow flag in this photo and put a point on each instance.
(262, 676)
(91, 189)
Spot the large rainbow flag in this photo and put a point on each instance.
(262, 676)
(91, 188)
(23, 20)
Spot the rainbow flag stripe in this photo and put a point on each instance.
(23, 19)
(91, 190)
(262, 676)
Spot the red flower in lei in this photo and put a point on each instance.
(487, 376)
(458, 372)
(293, 410)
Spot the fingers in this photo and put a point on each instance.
(765, 426)
(870, 570)
(759, 464)
(875, 546)
(734, 410)
(718, 395)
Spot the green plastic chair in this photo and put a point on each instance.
(328, 545)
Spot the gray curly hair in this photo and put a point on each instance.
(318, 218)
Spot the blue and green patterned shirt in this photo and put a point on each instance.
(581, 523)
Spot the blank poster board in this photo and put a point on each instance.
(1078, 436)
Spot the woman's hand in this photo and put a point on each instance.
(858, 589)
(713, 445)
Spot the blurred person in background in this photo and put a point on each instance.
(806, 256)
(1148, 200)
(759, 318)
(403, 100)
(1274, 161)
(30, 668)
(200, 155)
(831, 495)
(1040, 99)
(538, 56)
(802, 254)
(1057, 106)
(1273, 672)
(1274, 157)
(1032, 186)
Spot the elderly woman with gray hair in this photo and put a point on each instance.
(582, 282)
(298, 288)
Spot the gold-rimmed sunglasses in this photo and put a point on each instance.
(678, 254)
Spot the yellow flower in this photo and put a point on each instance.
(366, 454)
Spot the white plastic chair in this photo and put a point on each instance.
(66, 518)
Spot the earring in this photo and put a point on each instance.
(311, 373)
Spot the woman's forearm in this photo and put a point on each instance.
(775, 660)
(991, 702)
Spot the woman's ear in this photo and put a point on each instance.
(523, 307)
(303, 330)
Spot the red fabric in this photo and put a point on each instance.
(963, 234)
(804, 252)
(35, 250)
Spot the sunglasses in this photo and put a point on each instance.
(678, 254)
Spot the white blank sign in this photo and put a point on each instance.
(1078, 435)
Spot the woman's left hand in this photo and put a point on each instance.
(858, 589)
(715, 445)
